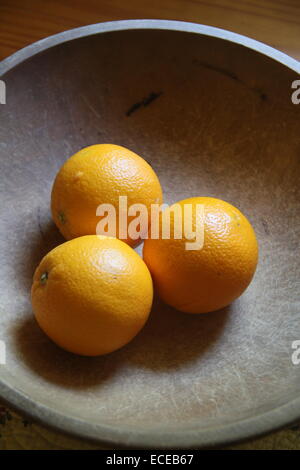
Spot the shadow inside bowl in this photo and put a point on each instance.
(171, 339)
(168, 340)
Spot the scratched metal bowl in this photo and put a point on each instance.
(212, 112)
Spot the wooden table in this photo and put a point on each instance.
(276, 22)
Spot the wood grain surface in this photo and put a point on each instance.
(275, 22)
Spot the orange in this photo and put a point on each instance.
(207, 279)
(96, 175)
(92, 295)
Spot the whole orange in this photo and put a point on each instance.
(96, 175)
(92, 295)
(209, 278)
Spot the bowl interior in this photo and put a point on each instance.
(213, 119)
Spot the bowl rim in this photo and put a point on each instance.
(109, 435)
(122, 25)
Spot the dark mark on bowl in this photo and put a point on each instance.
(145, 102)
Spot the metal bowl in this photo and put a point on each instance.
(212, 112)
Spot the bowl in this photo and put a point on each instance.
(212, 112)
